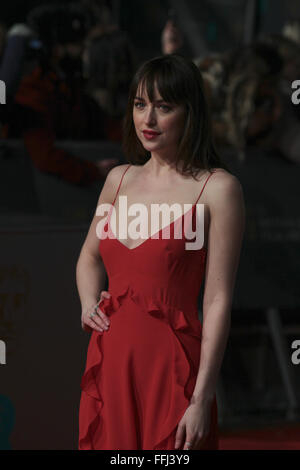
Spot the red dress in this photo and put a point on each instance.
(140, 373)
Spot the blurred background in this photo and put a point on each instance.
(67, 68)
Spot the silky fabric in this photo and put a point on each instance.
(140, 374)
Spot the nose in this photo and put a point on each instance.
(150, 118)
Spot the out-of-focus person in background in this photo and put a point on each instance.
(249, 90)
(110, 60)
(171, 38)
(50, 102)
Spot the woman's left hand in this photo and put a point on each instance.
(194, 426)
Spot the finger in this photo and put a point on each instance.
(188, 445)
(93, 318)
(101, 296)
(101, 319)
(104, 318)
(107, 295)
(104, 295)
(179, 436)
(98, 320)
(93, 322)
(100, 324)
(93, 325)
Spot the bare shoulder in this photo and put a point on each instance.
(115, 174)
(223, 186)
(112, 181)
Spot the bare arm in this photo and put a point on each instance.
(90, 278)
(90, 271)
(226, 230)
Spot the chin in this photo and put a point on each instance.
(152, 144)
(150, 147)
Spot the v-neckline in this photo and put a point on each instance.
(156, 234)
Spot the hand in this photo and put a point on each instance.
(105, 165)
(98, 322)
(194, 426)
(171, 38)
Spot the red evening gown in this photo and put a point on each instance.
(140, 373)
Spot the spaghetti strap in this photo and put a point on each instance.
(204, 186)
(120, 184)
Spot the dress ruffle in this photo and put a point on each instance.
(185, 369)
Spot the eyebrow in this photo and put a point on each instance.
(156, 101)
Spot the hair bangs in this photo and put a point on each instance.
(166, 80)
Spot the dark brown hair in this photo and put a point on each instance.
(178, 81)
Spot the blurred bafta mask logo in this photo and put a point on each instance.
(2, 352)
(2, 92)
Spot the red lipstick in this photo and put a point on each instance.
(150, 134)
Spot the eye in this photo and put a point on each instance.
(137, 103)
(165, 107)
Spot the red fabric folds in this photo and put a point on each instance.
(184, 331)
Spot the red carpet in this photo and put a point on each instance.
(282, 437)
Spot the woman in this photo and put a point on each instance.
(144, 385)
